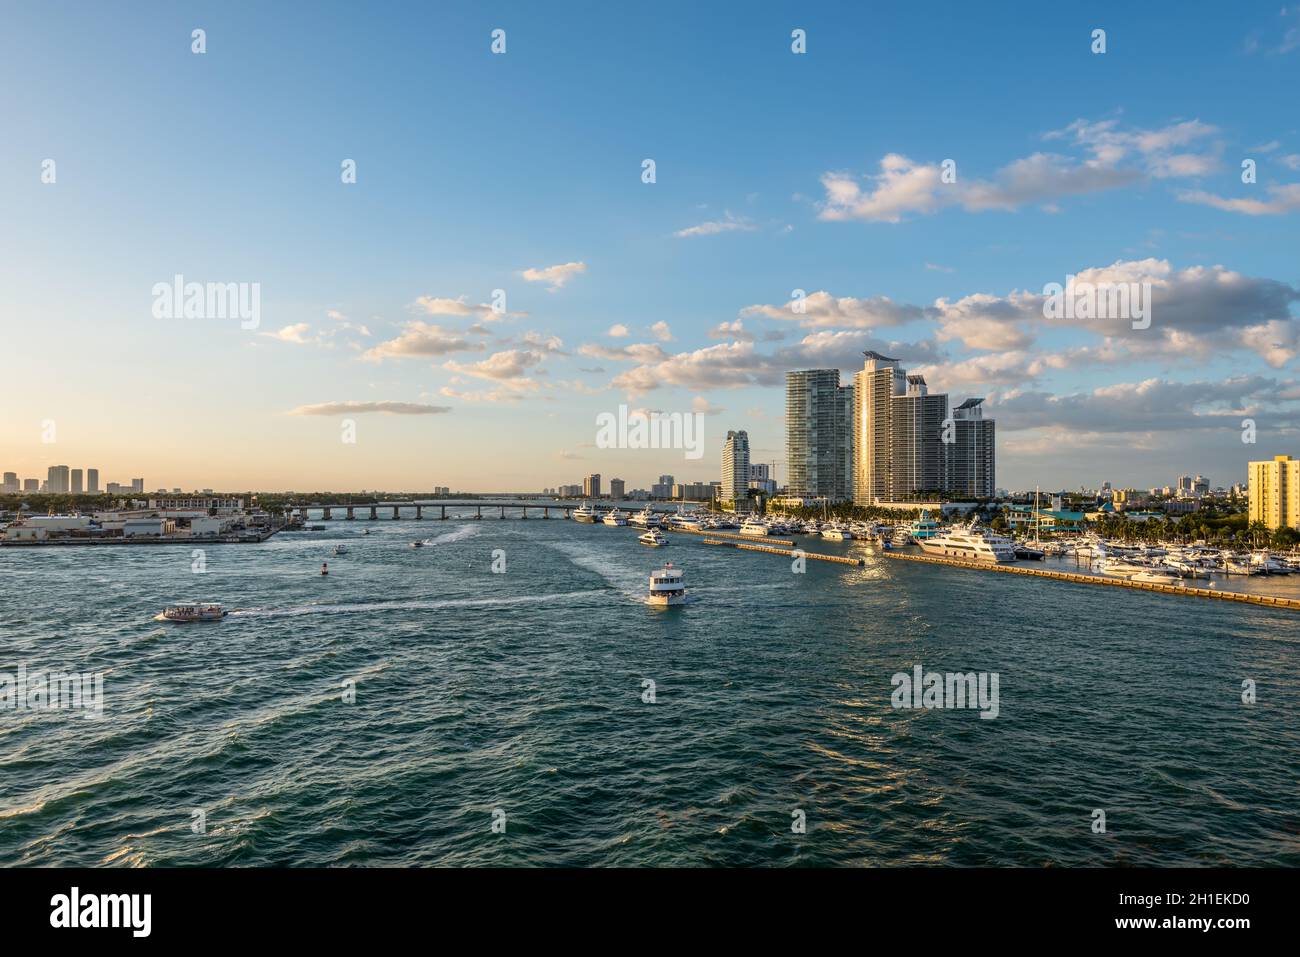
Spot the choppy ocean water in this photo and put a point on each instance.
(523, 692)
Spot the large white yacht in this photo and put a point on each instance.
(645, 519)
(667, 586)
(753, 527)
(973, 543)
(614, 518)
(584, 513)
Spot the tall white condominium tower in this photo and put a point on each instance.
(735, 467)
(819, 435)
(874, 388)
(904, 446)
(970, 455)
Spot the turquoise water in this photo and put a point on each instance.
(522, 691)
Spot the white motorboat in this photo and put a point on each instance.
(192, 612)
(340, 549)
(836, 533)
(667, 587)
(1156, 577)
(973, 543)
(654, 538)
(754, 528)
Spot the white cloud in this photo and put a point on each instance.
(711, 228)
(421, 340)
(360, 408)
(555, 276)
(617, 331)
(661, 331)
(1281, 199)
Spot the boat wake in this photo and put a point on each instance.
(320, 609)
(628, 581)
(459, 535)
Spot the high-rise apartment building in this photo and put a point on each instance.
(56, 481)
(819, 435)
(616, 489)
(904, 443)
(1274, 491)
(75, 479)
(916, 446)
(10, 485)
(92, 481)
(591, 485)
(735, 467)
(970, 455)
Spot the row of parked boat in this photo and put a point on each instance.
(972, 541)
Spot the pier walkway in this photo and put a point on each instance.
(1270, 600)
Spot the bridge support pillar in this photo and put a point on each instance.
(327, 514)
(525, 511)
(546, 512)
(419, 512)
(480, 511)
(394, 513)
(503, 512)
(374, 513)
(351, 513)
(444, 512)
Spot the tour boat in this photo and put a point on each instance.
(973, 543)
(585, 513)
(654, 537)
(667, 587)
(194, 612)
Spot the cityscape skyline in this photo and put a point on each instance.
(533, 308)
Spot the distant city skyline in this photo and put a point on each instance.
(671, 223)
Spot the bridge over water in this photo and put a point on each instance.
(438, 508)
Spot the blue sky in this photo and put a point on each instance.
(774, 172)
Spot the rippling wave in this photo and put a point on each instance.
(382, 714)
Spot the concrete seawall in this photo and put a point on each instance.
(1269, 600)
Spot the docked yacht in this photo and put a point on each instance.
(654, 538)
(753, 527)
(836, 533)
(614, 518)
(645, 519)
(683, 522)
(973, 543)
(584, 513)
(192, 612)
(923, 527)
(667, 587)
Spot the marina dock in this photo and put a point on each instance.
(1270, 600)
(787, 552)
(731, 536)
